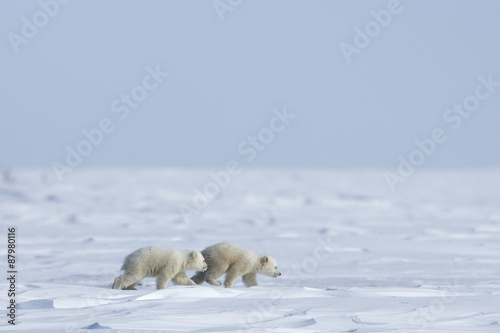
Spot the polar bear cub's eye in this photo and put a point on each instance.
(276, 267)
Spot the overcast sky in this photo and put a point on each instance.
(273, 83)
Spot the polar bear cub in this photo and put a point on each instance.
(164, 264)
(234, 261)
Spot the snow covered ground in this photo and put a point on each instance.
(354, 256)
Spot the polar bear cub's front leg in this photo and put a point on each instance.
(162, 279)
(232, 274)
(250, 279)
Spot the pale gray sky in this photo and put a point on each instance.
(226, 77)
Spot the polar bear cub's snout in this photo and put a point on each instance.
(198, 261)
(205, 266)
(270, 267)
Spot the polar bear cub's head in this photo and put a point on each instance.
(269, 267)
(197, 262)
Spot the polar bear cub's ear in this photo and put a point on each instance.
(265, 259)
(194, 255)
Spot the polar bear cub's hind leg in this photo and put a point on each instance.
(199, 277)
(182, 279)
(213, 273)
(126, 282)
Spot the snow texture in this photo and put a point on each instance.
(354, 256)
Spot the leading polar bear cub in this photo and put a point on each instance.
(234, 261)
(164, 264)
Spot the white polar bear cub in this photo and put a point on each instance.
(164, 264)
(234, 261)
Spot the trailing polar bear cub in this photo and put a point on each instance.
(164, 264)
(234, 261)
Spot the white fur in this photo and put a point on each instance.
(234, 261)
(164, 264)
